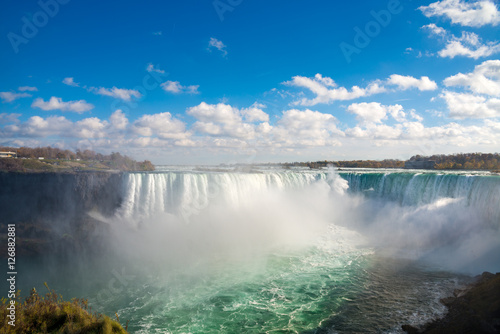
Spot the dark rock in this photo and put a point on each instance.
(475, 309)
(410, 329)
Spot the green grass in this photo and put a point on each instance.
(51, 314)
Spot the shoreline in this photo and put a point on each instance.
(473, 309)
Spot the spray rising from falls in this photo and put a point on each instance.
(284, 250)
(450, 218)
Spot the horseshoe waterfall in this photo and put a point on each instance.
(267, 250)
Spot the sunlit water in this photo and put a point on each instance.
(273, 251)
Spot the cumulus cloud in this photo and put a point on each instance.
(215, 43)
(469, 45)
(224, 120)
(435, 30)
(407, 82)
(90, 128)
(117, 93)
(306, 128)
(255, 113)
(326, 94)
(471, 14)
(176, 88)
(37, 126)
(70, 82)
(464, 105)
(225, 129)
(485, 79)
(482, 92)
(374, 112)
(119, 120)
(162, 125)
(327, 91)
(12, 96)
(56, 103)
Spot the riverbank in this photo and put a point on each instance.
(474, 309)
(51, 314)
(20, 165)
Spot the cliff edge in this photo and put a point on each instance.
(475, 309)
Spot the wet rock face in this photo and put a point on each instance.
(475, 309)
(57, 196)
(50, 209)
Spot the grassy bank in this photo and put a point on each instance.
(69, 166)
(51, 314)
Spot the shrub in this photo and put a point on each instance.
(51, 314)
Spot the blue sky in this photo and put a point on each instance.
(224, 81)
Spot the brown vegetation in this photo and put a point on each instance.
(51, 314)
(55, 159)
(469, 161)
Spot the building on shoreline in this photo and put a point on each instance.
(8, 155)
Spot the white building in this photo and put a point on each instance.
(8, 155)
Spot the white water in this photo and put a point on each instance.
(450, 219)
(271, 250)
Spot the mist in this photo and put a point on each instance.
(185, 219)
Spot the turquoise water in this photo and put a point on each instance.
(274, 251)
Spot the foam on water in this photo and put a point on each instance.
(294, 251)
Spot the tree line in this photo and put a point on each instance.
(114, 160)
(485, 161)
(387, 163)
(469, 161)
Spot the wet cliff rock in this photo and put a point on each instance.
(476, 309)
(50, 210)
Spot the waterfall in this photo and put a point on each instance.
(452, 218)
(176, 192)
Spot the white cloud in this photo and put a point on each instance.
(326, 81)
(27, 88)
(215, 43)
(469, 45)
(176, 88)
(37, 126)
(223, 129)
(407, 82)
(327, 91)
(11, 96)
(117, 93)
(152, 68)
(90, 128)
(223, 120)
(376, 131)
(416, 116)
(435, 30)
(157, 33)
(306, 128)
(162, 125)
(56, 103)
(70, 82)
(220, 113)
(368, 112)
(374, 112)
(255, 113)
(463, 105)
(484, 85)
(318, 86)
(485, 79)
(119, 120)
(471, 14)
